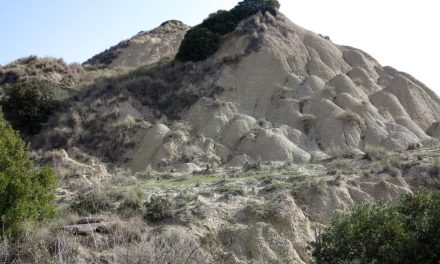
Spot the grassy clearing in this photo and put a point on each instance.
(277, 186)
(193, 180)
(342, 167)
(231, 190)
(434, 169)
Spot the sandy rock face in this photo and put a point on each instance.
(434, 130)
(274, 92)
(145, 48)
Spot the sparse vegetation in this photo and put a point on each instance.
(434, 169)
(33, 68)
(353, 119)
(344, 151)
(26, 194)
(319, 185)
(384, 233)
(45, 245)
(231, 190)
(276, 186)
(263, 211)
(342, 167)
(374, 153)
(91, 202)
(308, 121)
(108, 56)
(132, 203)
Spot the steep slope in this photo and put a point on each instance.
(274, 92)
(51, 70)
(146, 48)
(223, 141)
(65, 79)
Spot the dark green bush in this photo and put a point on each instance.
(199, 44)
(248, 8)
(158, 209)
(222, 22)
(91, 202)
(405, 233)
(204, 40)
(26, 194)
(129, 208)
(28, 105)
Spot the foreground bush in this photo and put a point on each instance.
(132, 203)
(158, 209)
(405, 233)
(89, 203)
(203, 40)
(26, 194)
(28, 105)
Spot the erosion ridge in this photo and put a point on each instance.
(274, 92)
(251, 152)
(145, 48)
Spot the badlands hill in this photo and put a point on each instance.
(274, 92)
(251, 151)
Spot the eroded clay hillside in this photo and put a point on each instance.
(274, 92)
(241, 158)
(145, 48)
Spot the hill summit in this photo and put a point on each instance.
(145, 48)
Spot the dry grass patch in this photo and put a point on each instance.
(434, 169)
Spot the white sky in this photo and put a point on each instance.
(398, 33)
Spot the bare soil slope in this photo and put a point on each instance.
(274, 92)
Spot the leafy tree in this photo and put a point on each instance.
(405, 233)
(247, 8)
(26, 194)
(199, 44)
(27, 105)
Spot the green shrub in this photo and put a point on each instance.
(199, 44)
(222, 22)
(203, 40)
(91, 202)
(158, 209)
(405, 233)
(248, 8)
(28, 105)
(26, 194)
